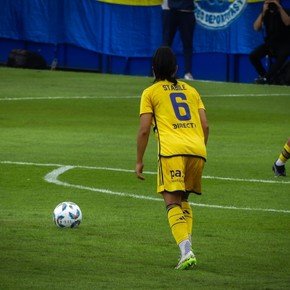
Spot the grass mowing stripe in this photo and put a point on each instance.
(137, 97)
(52, 177)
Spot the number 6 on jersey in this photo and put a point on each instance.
(181, 108)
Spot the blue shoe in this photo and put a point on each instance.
(279, 170)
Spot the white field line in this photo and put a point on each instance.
(68, 98)
(52, 177)
(138, 97)
(145, 172)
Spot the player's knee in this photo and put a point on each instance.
(172, 205)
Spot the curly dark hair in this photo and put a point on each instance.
(164, 65)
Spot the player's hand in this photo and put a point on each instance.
(139, 170)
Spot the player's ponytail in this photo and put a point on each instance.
(164, 65)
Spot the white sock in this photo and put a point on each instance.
(185, 247)
(190, 239)
(279, 162)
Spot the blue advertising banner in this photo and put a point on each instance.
(134, 2)
(128, 30)
(226, 26)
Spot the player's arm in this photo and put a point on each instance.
(204, 124)
(142, 141)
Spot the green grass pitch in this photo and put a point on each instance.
(51, 119)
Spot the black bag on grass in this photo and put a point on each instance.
(26, 59)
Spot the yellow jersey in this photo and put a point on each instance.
(175, 118)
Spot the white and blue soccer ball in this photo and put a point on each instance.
(67, 215)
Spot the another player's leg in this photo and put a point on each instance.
(279, 165)
(186, 29)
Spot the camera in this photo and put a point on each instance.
(272, 7)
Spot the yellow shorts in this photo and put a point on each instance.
(180, 173)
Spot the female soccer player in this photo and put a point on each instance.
(178, 116)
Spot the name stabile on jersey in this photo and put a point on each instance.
(173, 87)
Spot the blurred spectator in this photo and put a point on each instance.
(276, 23)
(178, 15)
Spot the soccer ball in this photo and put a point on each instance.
(67, 215)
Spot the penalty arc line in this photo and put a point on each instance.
(52, 177)
(145, 172)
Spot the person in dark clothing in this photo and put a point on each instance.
(276, 23)
(178, 15)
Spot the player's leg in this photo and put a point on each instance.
(175, 216)
(170, 182)
(179, 228)
(193, 176)
(279, 165)
(187, 212)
